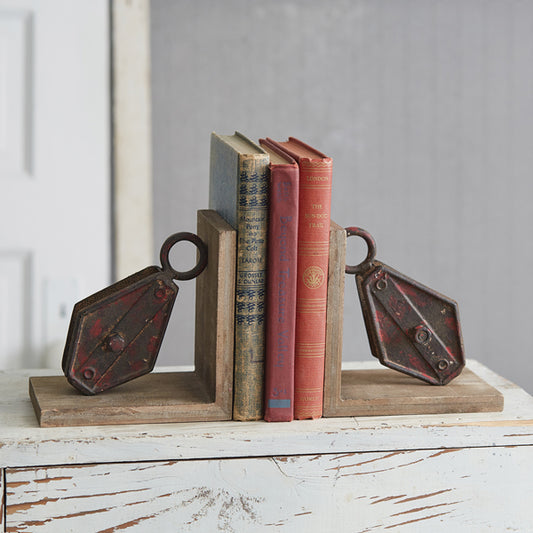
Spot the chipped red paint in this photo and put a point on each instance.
(450, 322)
(96, 329)
(115, 335)
(411, 328)
(153, 343)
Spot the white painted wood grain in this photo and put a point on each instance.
(2, 495)
(23, 443)
(410, 491)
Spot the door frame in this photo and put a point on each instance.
(132, 224)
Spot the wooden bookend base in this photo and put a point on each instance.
(382, 391)
(202, 395)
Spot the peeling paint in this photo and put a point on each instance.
(127, 525)
(389, 498)
(2, 498)
(419, 509)
(422, 496)
(14, 508)
(48, 479)
(448, 450)
(416, 520)
(13, 485)
(242, 494)
(380, 458)
(30, 523)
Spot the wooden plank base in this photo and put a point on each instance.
(384, 392)
(153, 398)
(183, 397)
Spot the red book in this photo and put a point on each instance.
(281, 284)
(311, 290)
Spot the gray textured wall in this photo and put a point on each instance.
(425, 106)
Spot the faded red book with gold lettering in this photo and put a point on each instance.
(312, 276)
(281, 284)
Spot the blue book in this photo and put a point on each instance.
(238, 191)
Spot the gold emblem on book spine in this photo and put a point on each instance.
(313, 277)
(316, 163)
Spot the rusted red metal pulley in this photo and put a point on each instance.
(115, 334)
(411, 328)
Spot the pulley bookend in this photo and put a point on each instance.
(115, 336)
(412, 329)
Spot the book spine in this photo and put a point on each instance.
(311, 304)
(281, 293)
(252, 225)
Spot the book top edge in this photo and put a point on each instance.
(241, 144)
(277, 155)
(301, 151)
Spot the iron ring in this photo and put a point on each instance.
(202, 259)
(370, 256)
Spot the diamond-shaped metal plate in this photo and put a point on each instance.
(115, 334)
(411, 328)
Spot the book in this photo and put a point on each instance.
(311, 290)
(238, 191)
(281, 284)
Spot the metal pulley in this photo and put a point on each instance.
(411, 328)
(115, 335)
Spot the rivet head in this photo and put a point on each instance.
(160, 293)
(443, 364)
(115, 342)
(88, 373)
(381, 284)
(422, 335)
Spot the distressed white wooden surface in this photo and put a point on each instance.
(23, 443)
(459, 490)
(2, 493)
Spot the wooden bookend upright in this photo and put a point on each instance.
(334, 320)
(202, 395)
(215, 311)
(382, 391)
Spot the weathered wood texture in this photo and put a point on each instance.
(386, 392)
(24, 443)
(202, 395)
(334, 321)
(382, 392)
(2, 496)
(157, 397)
(456, 490)
(215, 310)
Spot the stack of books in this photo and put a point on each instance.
(277, 195)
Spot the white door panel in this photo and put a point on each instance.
(54, 170)
(15, 103)
(14, 299)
